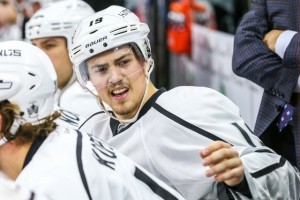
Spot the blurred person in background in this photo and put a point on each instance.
(266, 51)
(9, 27)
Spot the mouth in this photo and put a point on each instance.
(119, 93)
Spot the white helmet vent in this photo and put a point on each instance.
(5, 85)
(124, 29)
(77, 50)
(33, 75)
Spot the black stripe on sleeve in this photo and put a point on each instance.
(269, 169)
(80, 166)
(187, 124)
(157, 189)
(245, 134)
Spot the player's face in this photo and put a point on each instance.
(119, 79)
(56, 49)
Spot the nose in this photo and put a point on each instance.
(115, 75)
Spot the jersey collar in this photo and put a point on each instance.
(114, 124)
(33, 149)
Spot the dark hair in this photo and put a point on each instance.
(26, 132)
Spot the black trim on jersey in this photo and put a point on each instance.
(147, 106)
(164, 194)
(187, 124)
(97, 113)
(33, 149)
(223, 192)
(235, 195)
(32, 196)
(242, 188)
(269, 169)
(263, 151)
(245, 134)
(253, 133)
(79, 163)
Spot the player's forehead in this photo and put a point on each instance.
(111, 55)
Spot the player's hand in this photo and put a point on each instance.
(224, 163)
(271, 37)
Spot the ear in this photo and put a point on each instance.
(149, 67)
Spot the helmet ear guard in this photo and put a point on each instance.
(149, 67)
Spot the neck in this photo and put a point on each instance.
(12, 157)
(151, 91)
(130, 118)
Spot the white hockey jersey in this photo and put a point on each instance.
(172, 128)
(10, 191)
(75, 99)
(69, 165)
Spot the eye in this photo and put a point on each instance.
(49, 46)
(123, 63)
(100, 69)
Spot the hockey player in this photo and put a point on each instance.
(51, 29)
(60, 163)
(165, 131)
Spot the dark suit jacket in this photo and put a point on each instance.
(253, 60)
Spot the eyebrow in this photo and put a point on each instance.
(122, 57)
(48, 40)
(115, 61)
(43, 42)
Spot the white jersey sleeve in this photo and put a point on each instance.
(169, 135)
(72, 165)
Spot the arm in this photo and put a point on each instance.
(285, 44)
(224, 163)
(252, 174)
(253, 60)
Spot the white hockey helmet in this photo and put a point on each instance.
(105, 30)
(28, 79)
(58, 19)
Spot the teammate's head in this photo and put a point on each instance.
(52, 28)
(27, 87)
(112, 58)
(58, 19)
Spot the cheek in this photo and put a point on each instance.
(103, 93)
